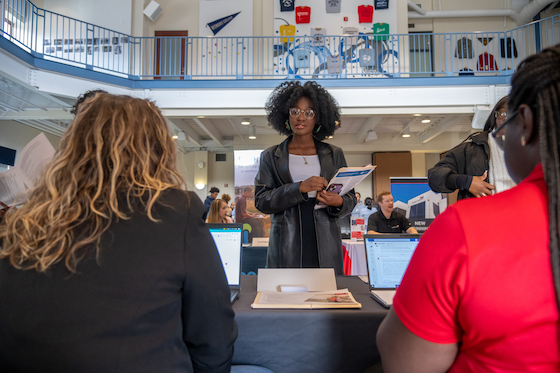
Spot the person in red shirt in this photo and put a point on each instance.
(477, 297)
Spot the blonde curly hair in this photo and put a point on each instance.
(115, 158)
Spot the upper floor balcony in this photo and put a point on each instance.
(353, 59)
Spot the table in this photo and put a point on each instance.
(286, 341)
(357, 256)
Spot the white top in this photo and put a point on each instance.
(498, 173)
(301, 171)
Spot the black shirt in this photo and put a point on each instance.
(397, 223)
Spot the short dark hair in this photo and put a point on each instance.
(285, 96)
(83, 97)
(247, 189)
(214, 190)
(380, 196)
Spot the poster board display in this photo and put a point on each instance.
(413, 197)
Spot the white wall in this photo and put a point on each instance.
(114, 15)
(365, 188)
(221, 174)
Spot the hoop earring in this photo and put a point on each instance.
(288, 124)
(523, 141)
(318, 128)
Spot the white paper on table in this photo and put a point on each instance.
(274, 297)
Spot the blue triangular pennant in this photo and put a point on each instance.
(220, 23)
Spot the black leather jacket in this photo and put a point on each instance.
(278, 195)
(460, 164)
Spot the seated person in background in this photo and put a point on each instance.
(360, 205)
(232, 209)
(218, 212)
(477, 297)
(108, 267)
(386, 220)
(368, 209)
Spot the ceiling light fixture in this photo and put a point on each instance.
(175, 136)
(252, 133)
(245, 121)
(416, 115)
(200, 186)
(406, 132)
(426, 120)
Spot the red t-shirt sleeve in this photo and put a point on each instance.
(430, 292)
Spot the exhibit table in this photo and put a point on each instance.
(356, 252)
(286, 341)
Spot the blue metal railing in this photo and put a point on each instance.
(55, 37)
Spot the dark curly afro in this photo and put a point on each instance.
(84, 97)
(285, 96)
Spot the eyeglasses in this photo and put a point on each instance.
(500, 115)
(501, 138)
(307, 114)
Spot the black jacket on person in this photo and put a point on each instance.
(460, 164)
(156, 300)
(278, 195)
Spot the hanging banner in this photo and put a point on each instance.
(255, 223)
(220, 23)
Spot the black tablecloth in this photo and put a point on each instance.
(299, 341)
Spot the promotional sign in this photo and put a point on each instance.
(255, 223)
(413, 198)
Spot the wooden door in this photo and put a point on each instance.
(171, 55)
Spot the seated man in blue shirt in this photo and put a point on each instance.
(386, 220)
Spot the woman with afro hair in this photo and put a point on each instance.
(293, 175)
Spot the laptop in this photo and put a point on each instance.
(228, 240)
(387, 257)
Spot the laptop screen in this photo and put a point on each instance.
(388, 257)
(227, 238)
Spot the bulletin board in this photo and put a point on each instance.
(334, 23)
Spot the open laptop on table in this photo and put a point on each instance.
(228, 240)
(387, 257)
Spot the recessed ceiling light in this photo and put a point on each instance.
(416, 115)
(175, 137)
(426, 121)
(406, 135)
(245, 121)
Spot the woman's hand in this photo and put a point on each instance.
(330, 198)
(314, 183)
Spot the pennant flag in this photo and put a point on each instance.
(485, 41)
(219, 24)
